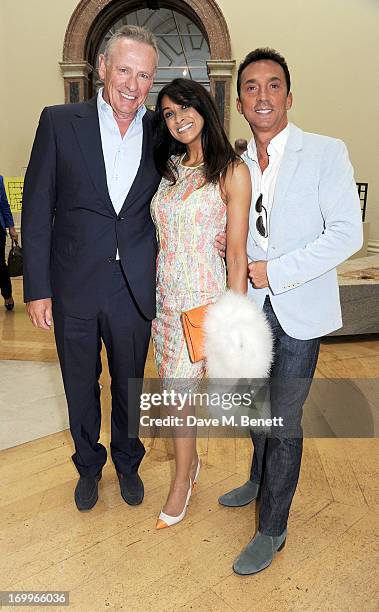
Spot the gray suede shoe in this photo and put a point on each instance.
(241, 496)
(259, 553)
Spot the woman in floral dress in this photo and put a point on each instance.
(205, 189)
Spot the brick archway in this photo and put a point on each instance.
(91, 19)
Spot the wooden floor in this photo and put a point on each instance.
(112, 557)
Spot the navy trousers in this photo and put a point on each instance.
(125, 334)
(277, 457)
(5, 281)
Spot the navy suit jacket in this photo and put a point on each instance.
(70, 230)
(6, 219)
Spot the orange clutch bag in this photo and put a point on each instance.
(193, 327)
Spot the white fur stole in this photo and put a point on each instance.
(238, 338)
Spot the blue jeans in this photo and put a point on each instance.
(277, 457)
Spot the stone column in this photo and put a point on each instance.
(76, 80)
(220, 74)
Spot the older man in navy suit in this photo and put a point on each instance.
(90, 250)
(6, 222)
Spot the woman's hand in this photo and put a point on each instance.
(13, 234)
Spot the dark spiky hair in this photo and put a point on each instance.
(258, 55)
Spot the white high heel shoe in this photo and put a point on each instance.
(165, 520)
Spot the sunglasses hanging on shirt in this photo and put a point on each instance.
(260, 225)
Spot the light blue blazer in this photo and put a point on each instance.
(315, 224)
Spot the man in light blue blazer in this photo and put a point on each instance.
(305, 220)
(6, 222)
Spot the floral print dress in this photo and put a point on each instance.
(190, 272)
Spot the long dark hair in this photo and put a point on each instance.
(217, 150)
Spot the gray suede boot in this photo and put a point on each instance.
(241, 496)
(259, 553)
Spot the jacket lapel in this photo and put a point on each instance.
(143, 169)
(287, 167)
(289, 162)
(87, 130)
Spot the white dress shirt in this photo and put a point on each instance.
(264, 182)
(122, 155)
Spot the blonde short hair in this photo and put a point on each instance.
(131, 32)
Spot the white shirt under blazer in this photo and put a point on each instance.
(315, 224)
(264, 182)
(122, 154)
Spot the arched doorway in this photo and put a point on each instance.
(183, 47)
(202, 20)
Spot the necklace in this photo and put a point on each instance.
(191, 167)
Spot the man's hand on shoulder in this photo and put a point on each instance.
(40, 313)
(258, 274)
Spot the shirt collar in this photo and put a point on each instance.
(277, 144)
(279, 141)
(104, 107)
(252, 150)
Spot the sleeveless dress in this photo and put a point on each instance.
(190, 272)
